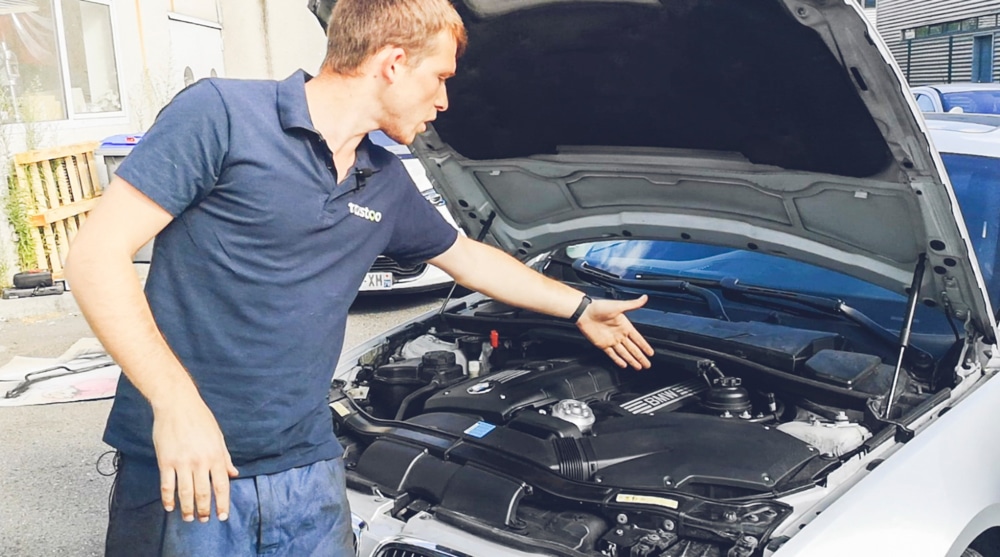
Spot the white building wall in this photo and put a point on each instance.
(270, 39)
(246, 51)
(201, 9)
(296, 38)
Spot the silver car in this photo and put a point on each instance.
(820, 308)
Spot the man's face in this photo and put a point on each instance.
(419, 92)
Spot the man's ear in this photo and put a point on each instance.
(389, 61)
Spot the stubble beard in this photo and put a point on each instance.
(396, 133)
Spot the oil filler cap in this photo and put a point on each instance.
(576, 413)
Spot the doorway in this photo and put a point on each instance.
(982, 59)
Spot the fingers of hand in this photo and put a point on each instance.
(220, 486)
(203, 495)
(641, 342)
(185, 492)
(640, 301)
(629, 305)
(610, 351)
(636, 353)
(625, 353)
(194, 489)
(168, 486)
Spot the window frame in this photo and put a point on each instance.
(71, 114)
(920, 96)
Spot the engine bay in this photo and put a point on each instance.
(509, 424)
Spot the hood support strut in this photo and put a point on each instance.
(904, 332)
(479, 238)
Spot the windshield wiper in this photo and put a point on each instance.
(611, 280)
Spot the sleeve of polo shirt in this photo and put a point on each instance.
(179, 159)
(420, 232)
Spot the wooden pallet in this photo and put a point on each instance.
(60, 187)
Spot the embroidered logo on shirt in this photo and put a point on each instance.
(364, 212)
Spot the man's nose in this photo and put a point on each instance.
(441, 102)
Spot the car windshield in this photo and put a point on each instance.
(701, 262)
(974, 179)
(979, 102)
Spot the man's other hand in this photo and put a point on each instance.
(193, 459)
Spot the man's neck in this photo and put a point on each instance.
(341, 110)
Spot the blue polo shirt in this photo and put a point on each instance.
(250, 284)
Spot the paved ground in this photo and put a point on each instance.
(53, 498)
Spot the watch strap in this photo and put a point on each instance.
(584, 302)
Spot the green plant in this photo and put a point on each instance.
(14, 200)
(17, 215)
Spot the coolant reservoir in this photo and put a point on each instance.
(419, 346)
(835, 439)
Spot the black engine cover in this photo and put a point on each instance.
(497, 396)
(691, 453)
(695, 453)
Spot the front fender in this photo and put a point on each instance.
(933, 497)
(986, 519)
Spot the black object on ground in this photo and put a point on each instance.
(36, 377)
(33, 279)
(15, 293)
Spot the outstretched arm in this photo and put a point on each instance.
(488, 270)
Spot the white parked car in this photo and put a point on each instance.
(820, 308)
(977, 98)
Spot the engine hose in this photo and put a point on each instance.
(771, 416)
(404, 406)
(811, 406)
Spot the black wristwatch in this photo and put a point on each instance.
(580, 308)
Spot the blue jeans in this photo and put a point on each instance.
(298, 512)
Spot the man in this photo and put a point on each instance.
(269, 204)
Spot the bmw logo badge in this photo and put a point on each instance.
(481, 388)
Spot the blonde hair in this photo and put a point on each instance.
(360, 28)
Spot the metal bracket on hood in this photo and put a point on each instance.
(900, 433)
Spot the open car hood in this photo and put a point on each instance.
(776, 125)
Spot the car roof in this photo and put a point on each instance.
(971, 134)
(957, 87)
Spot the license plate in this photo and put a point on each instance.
(377, 281)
